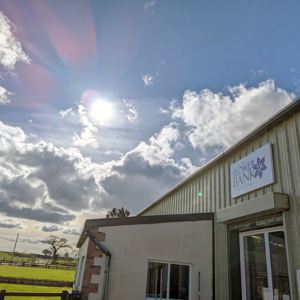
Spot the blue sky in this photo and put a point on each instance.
(111, 103)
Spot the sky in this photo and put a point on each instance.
(111, 103)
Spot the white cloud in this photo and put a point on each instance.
(30, 240)
(160, 147)
(202, 161)
(295, 79)
(9, 224)
(67, 112)
(163, 111)
(187, 166)
(259, 72)
(215, 119)
(88, 135)
(40, 181)
(132, 113)
(146, 172)
(72, 231)
(4, 95)
(49, 228)
(148, 79)
(7, 238)
(11, 50)
(149, 4)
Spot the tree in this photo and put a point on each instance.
(55, 244)
(47, 252)
(74, 253)
(117, 213)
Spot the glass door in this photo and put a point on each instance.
(264, 270)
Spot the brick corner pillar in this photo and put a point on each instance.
(90, 268)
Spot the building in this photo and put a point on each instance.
(229, 231)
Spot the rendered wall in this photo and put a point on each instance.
(132, 246)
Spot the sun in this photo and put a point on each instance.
(102, 111)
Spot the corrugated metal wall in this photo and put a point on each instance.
(214, 183)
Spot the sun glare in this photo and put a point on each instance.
(102, 111)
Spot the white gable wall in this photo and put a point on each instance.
(133, 246)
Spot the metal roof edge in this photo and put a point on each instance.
(273, 120)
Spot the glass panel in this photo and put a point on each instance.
(256, 267)
(79, 273)
(234, 265)
(179, 282)
(279, 266)
(157, 280)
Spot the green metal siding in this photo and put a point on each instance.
(214, 183)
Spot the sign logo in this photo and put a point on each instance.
(252, 172)
(259, 167)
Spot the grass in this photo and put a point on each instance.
(33, 289)
(37, 273)
(34, 273)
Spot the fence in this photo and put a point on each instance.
(38, 264)
(65, 295)
(30, 281)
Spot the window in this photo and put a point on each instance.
(79, 272)
(168, 281)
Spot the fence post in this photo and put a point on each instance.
(75, 295)
(64, 295)
(2, 294)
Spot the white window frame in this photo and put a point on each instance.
(265, 232)
(79, 271)
(169, 263)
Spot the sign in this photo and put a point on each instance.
(252, 172)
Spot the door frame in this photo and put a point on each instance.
(265, 232)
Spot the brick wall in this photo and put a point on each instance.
(90, 268)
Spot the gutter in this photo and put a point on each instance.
(107, 264)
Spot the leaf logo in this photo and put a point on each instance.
(259, 167)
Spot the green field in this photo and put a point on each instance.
(37, 273)
(33, 289)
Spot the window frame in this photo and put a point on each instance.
(169, 263)
(79, 271)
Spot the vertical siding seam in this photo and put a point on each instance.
(213, 190)
(277, 163)
(292, 186)
(198, 198)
